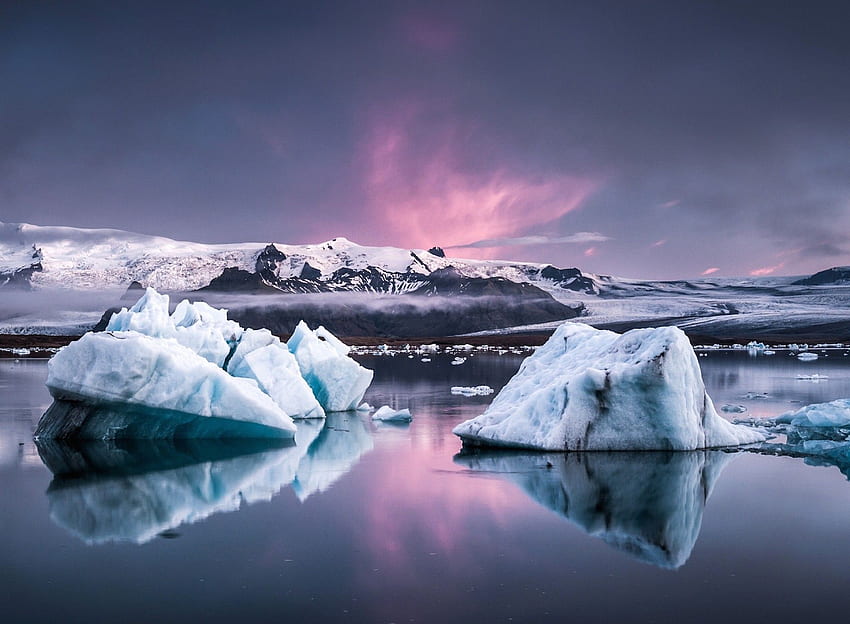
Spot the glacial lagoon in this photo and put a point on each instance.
(379, 522)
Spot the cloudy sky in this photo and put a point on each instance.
(647, 139)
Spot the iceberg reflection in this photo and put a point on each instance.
(133, 490)
(646, 504)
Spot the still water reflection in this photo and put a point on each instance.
(367, 523)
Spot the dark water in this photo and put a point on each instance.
(366, 523)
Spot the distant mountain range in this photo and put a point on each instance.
(411, 292)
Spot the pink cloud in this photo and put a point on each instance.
(671, 204)
(659, 243)
(767, 270)
(590, 251)
(423, 192)
(711, 270)
(430, 32)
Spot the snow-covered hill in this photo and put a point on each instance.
(80, 259)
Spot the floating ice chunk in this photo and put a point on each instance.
(734, 409)
(364, 407)
(472, 390)
(832, 414)
(755, 396)
(769, 352)
(388, 414)
(458, 361)
(130, 368)
(647, 505)
(337, 381)
(589, 389)
(807, 356)
(814, 377)
(262, 357)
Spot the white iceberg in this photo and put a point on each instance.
(337, 381)
(388, 414)
(198, 326)
(807, 356)
(263, 357)
(472, 390)
(197, 363)
(589, 389)
(130, 368)
(832, 414)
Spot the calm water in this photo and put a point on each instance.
(366, 523)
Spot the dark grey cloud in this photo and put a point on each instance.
(718, 126)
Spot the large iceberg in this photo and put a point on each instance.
(194, 373)
(647, 505)
(128, 368)
(589, 389)
(338, 382)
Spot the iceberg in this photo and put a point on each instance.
(131, 369)
(388, 414)
(832, 414)
(337, 381)
(589, 389)
(194, 373)
(262, 357)
(647, 505)
(198, 326)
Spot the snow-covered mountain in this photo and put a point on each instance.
(77, 258)
(411, 292)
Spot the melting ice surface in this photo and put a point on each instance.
(202, 373)
(589, 389)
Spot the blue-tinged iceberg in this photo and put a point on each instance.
(589, 389)
(338, 382)
(194, 373)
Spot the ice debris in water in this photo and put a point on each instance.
(734, 409)
(832, 414)
(458, 361)
(472, 390)
(388, 414)
(364, 407)
(197, 362)
(814, 377)
(807, 356)
(589, 389)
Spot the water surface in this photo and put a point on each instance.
(380, 523)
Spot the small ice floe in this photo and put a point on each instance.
(755, 396)
(472, 390)
(365, 407)
(769, 352)
(814, 377)
(458, 361)
(807, 356)
(832, 414)
(425, 360)
(734, 409)
(388, 414)
(641, 390)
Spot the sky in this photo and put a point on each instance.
(646, 139)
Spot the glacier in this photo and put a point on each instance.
(589, 389)
(178, 369)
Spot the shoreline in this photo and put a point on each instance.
(44, 345)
